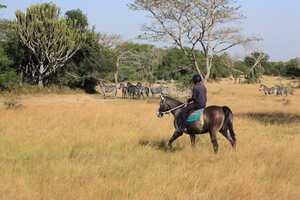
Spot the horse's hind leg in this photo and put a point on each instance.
(232, 135)
(226, 133)
(193, 140)
(213, 138)
(176, 135)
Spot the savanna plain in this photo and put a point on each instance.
(78, 146)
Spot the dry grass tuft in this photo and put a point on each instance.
(12, 102)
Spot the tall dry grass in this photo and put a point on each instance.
(84, 147)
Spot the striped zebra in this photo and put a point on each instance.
(107, 89)
(133, 91)
(266, 90)
(159, 90)
(124, 90)
(284, 91)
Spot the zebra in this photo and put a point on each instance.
(111, 89)
(266, 90)
(277, 90)
(284, 91)
(124, 89)
(143, 91)
(146, 91)
(159, 90)
(132, 90)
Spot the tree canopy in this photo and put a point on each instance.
(49, 38)
(46, 47)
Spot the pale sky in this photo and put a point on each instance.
(276, 21)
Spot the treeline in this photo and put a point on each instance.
(44, 47)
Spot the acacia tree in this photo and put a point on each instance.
(192, 25)
(148, 60)
(122, 55)
(255, 62)
(49, 38)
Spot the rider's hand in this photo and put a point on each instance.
(190, 100)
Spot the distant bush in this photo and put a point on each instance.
(8, 76)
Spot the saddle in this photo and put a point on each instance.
(195, 116)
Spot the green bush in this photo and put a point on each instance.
(8, 76)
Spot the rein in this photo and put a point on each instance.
(172, 109)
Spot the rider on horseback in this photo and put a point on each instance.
(197, 102)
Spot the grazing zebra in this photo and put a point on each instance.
(133, 91)
(266, 90)
(159, 90)
(143, 91)
(284, 91)
(146, 91)
(277, 90)
(124, 89)
(108, 89)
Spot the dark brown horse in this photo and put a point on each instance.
(215, 118)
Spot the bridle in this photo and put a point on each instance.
(170, 110)
(173, 109)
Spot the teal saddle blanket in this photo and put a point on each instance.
(195, 116)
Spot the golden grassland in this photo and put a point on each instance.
(78, 146)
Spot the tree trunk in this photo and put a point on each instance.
(208, 56)
(116, 75)
(195, 63)
(21, 78)
(208, 63)
(41, 77)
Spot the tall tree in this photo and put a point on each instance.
(49, 38)
(196, 24)
(77, 19)
(255, 61)
(122, 55)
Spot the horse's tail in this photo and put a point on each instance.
(228, 123)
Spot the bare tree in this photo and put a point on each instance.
(255, 61)
(194, 24)
(148, 59)
(122, 55)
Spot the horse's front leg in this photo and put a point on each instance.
(213, 138)
(193, 140)
(176, 135)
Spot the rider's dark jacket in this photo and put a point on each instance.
(199, 96)
(198, 101)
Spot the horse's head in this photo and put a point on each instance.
(163, 106)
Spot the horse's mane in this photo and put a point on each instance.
(175, 101)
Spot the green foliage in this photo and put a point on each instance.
(63, 51)
(92, 60)
(255, 66)
(49, 38)
(142, 62)
(8, 76)
(174, 64)
(76, 19)
(293, 68)
(220, 67)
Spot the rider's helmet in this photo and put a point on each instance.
(197, 79)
